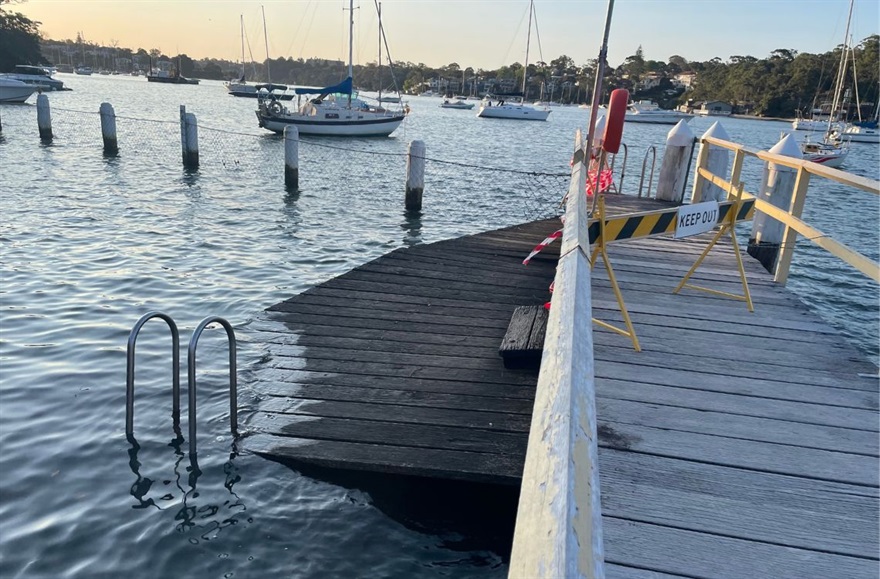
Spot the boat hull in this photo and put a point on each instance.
(255, 94)
(353, 127)
(657, 119)
(15, 91)
(513, 112)
(172, 80)
(861, 135)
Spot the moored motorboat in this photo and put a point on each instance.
(650, 112)
(15, 91)
(37, 76)
(456, 104)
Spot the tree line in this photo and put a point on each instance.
(779, 85)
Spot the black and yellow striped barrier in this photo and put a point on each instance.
(603, 231)
(660, 222)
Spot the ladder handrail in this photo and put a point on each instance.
(651, 149)
(191, 375)
(129, 378)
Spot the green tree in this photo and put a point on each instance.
(19, 40)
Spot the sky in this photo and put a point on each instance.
(477, 33)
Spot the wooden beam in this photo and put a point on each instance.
(559, 524)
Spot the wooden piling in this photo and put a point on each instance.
(674, 167)
(189, 139)
(778, 186)
(291, 158)
(715, 159)
(108, 129)
(44, 118)
(415, 175)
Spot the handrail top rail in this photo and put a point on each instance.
(857, 181)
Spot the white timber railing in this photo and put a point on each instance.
(559, 521)
(786, 207)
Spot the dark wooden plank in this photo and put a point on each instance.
(459, 417)
(523, 341)
(444, 385)
(430, 462)
(288, 391)
(284, 356)
(428, 436)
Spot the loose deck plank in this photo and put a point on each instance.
(734, 445)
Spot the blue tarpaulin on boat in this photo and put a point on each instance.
(343, 87)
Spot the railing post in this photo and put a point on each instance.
(674, 167)
(291, 158)
(44, 118)
(714, 160)
(189, 139)
(789, 236)
(108, 129)
(779, 183)
(415, 175)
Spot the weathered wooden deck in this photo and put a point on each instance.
(734, 445)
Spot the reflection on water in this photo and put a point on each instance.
(200, 521)
(412, 226)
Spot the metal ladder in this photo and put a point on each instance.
(652, 150)
(191, 375)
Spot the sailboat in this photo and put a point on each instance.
(241, 88)
(830, 151)
(335, 111)
(515, 110)
(861, 131)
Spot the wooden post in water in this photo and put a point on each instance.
(715, 160)
(44, 118)
(415, 175)
(108, 129)
(674, 167)
(778, 186)
(291, 158)
(189, 139)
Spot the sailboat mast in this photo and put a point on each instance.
(241, 18)
(266, 39)
(351, 38)
(528, 40)
(841, 71)
(379, 71)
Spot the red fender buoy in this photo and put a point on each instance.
(614, 120)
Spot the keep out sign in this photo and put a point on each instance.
(696, 218)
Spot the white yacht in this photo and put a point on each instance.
(650, 112)
(861, 131)
(15, 91)
(34, 75)
(516, 110)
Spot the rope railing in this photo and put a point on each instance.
(477, 192)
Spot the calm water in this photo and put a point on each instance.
(90, 244)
